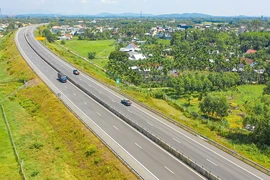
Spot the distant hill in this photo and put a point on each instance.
(185, 15)
(121, 15)
(38, 15)
(128, 15)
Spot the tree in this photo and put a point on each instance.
(214, 106)
(63, 42)
(118, 64)
(266, 90)
(259, 117)
(49, 36)
(91, 55)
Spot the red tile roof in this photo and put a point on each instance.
(248, 61)
(250, 51)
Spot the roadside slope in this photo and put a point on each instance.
(53, 143)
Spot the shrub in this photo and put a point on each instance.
(91, 55)
(35, 173)
(36, 145)
(97, 160)
(91, 150)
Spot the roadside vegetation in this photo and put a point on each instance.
(203, 79)
(53, 143)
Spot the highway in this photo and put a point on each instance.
(145, 157)
(218, 162)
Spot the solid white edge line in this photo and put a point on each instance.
(203, 146)
(69, 66)
(91, 119)
(110, 91)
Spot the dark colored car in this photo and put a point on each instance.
(76, 72)
(62, 77)
(126, 102)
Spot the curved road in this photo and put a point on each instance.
(218, 162)
(145, 157)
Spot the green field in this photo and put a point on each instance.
(242, 95)
(103, 48)
(164, 41)
(53, 143)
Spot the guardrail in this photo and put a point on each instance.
(116, 154)
(151, 136)
(148, 134)
(225, 149)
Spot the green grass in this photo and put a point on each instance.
(53, 143)
(164, 41)
(103, 48)
(8, 164)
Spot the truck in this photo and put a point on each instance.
(62, 77)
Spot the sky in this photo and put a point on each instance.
(92, 7)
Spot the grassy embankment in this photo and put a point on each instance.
(53, 143)
(244, 93)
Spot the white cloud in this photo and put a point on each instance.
(109, 1)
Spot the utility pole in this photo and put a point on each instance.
(1, 16)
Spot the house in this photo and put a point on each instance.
(211, 60)
(131, 47)
(259, 71)
(242, 29)
(247, 60)
(139, 70)
(136, 56)
(55, 29)
(184, 26)
(65, 37)
(198, 26)
(251, 51)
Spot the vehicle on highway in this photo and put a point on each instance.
(62, 77)
(76, 72)
(126, 102)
